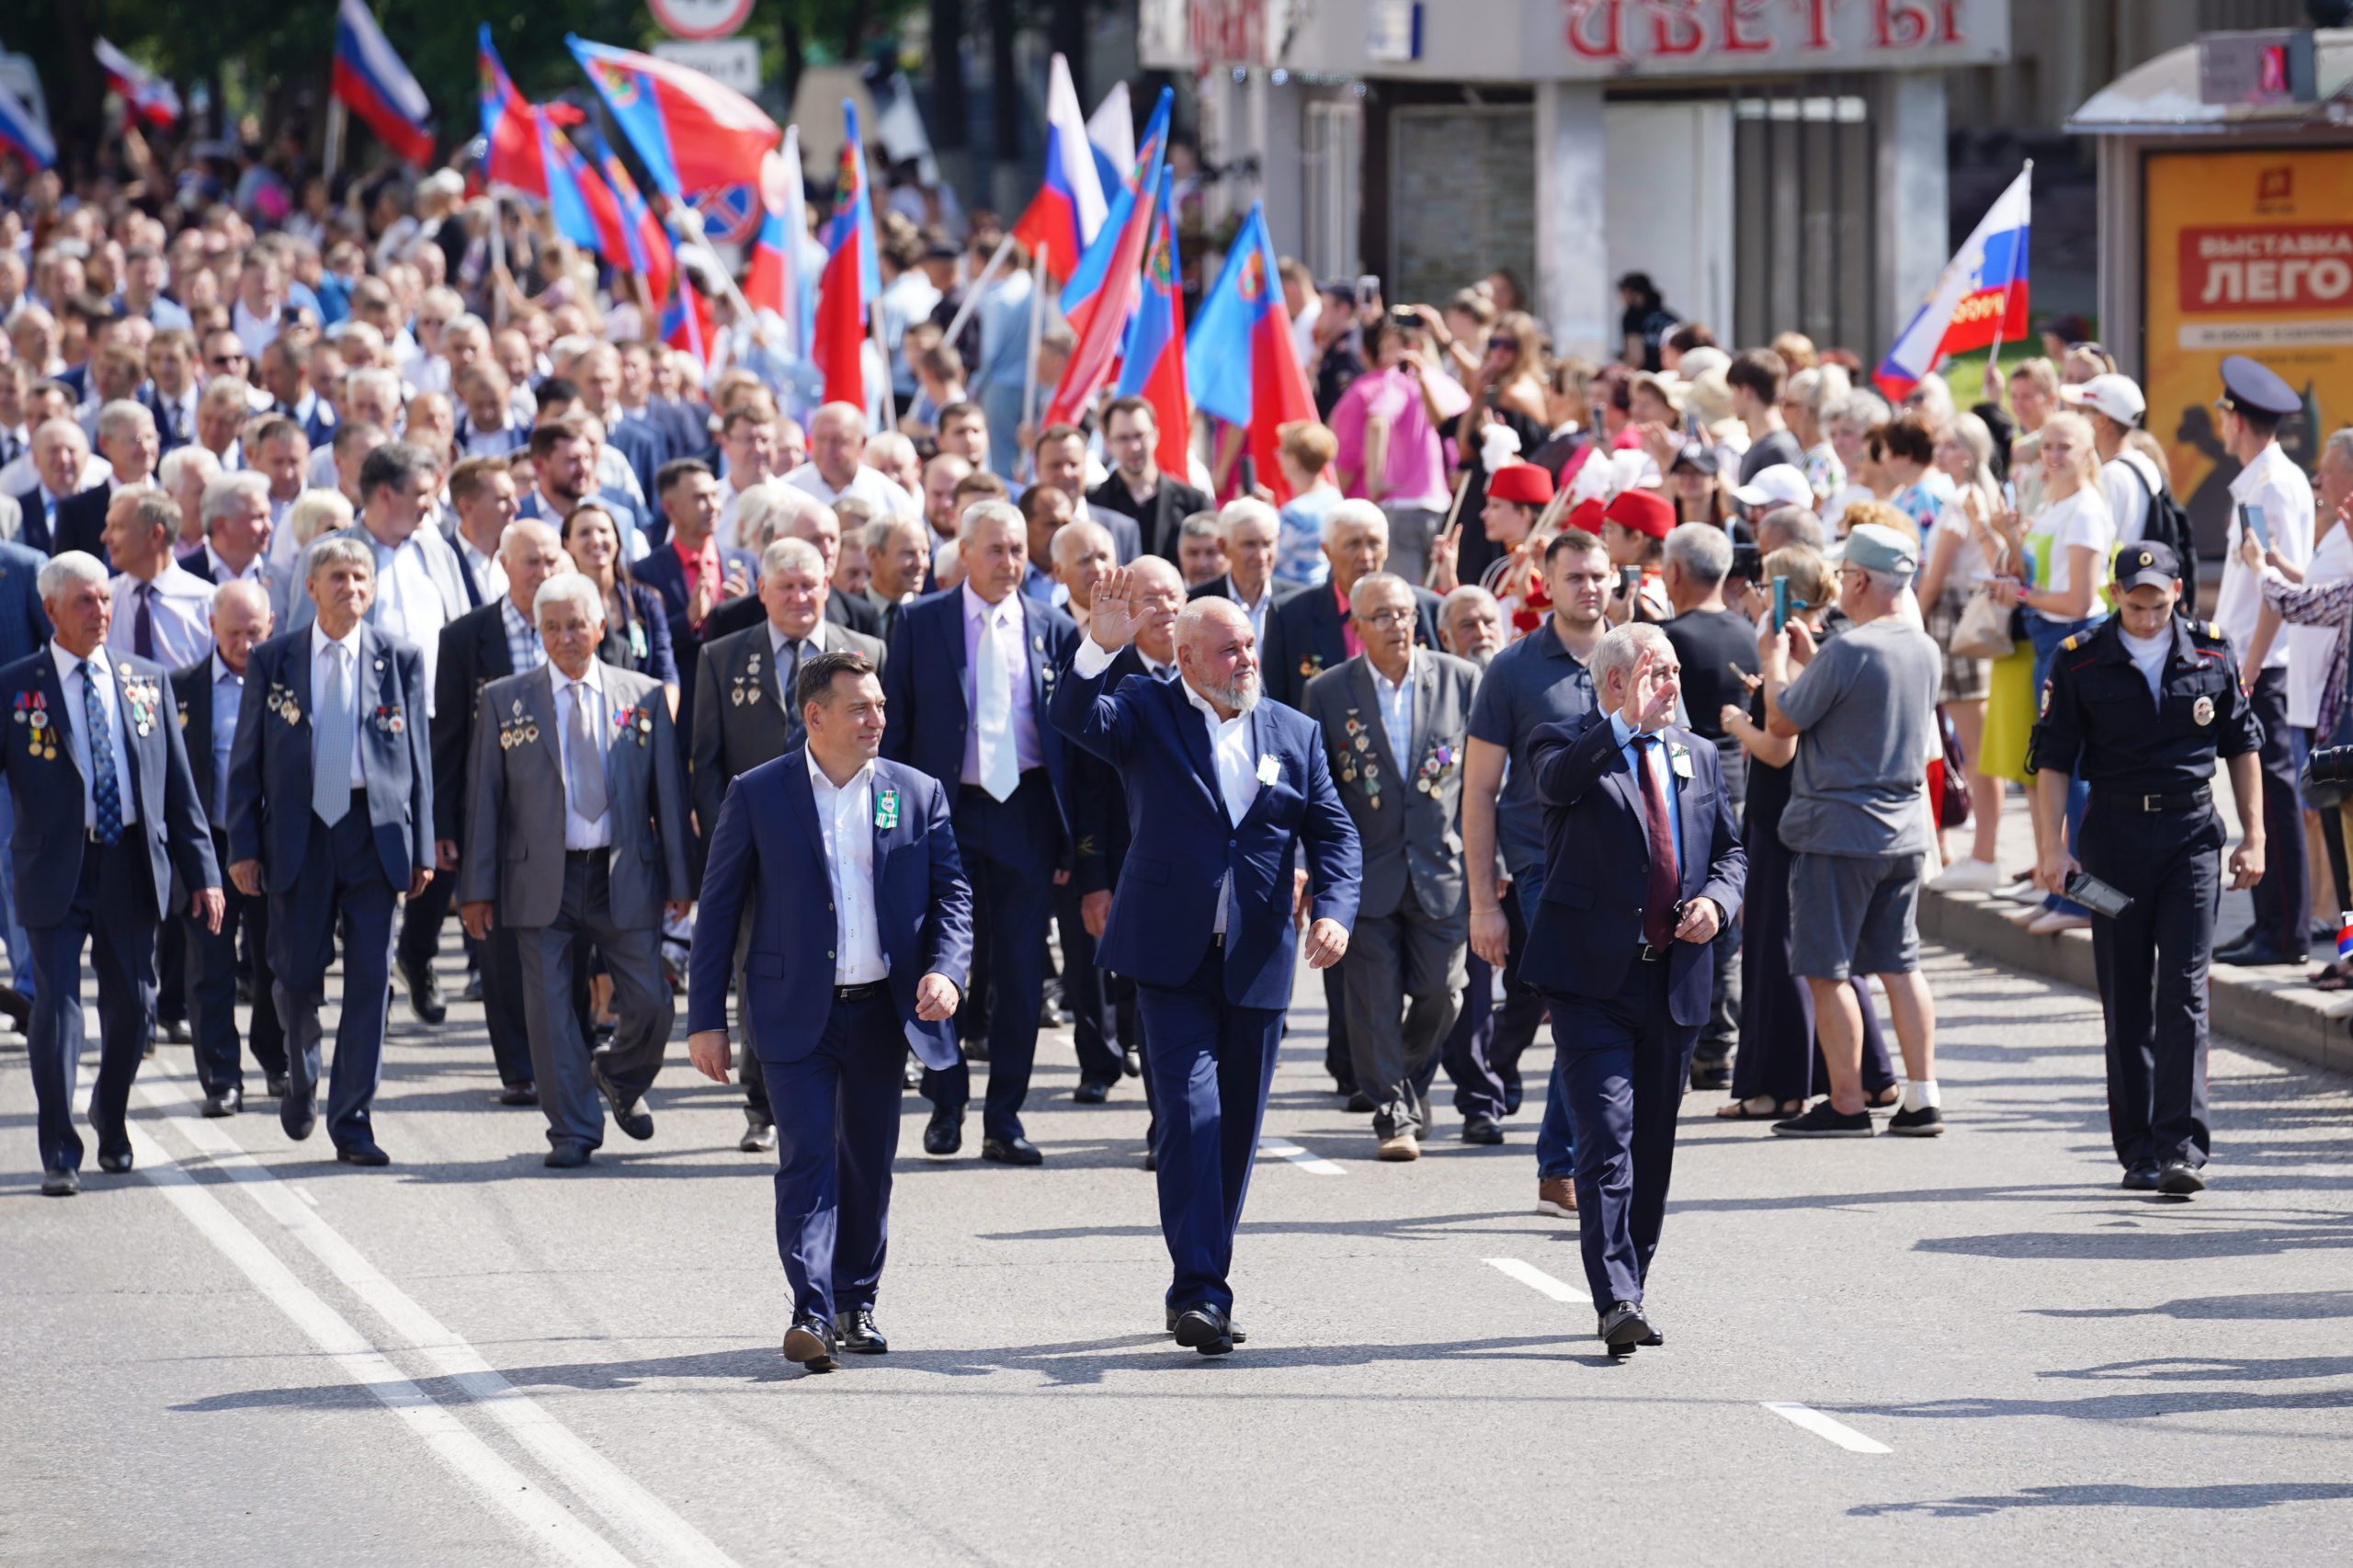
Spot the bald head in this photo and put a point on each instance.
(532, 552)
(837, 442)
(240, 619)
(1217, 654)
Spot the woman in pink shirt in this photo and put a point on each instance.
(1388, 425)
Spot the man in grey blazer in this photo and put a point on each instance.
(744, 715)
(575, 826)
(1394, 719)
(331, 814)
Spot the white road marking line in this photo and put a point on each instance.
(541, 1518)
(655, 1530)
(1821, 1426)
(1313, 1163)
(1540, 1282)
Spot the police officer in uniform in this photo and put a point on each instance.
(2140, 707)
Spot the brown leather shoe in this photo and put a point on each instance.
(1557, 1196)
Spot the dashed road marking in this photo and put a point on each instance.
(1821, 1426)
(1540, 1282)
(1306, 1160)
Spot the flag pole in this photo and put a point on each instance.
(972, 295)
(333, 158)
(1036, 330)
(497, 258)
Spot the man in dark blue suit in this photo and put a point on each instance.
(331, 814)
(831, 1003)
(1223, 790)
(24, 631)
(106, 811)
(969, 679)
(1642, 867)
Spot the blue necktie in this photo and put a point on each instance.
(105, 795)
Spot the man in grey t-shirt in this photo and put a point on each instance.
(1864, 712)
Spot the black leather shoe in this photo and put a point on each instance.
(976, 1050)
(1011, 1152)
(1205, 1329)
(1151, 1158)
(60, 1183)
(115, 1159)
(1623, 1324)
(16, 1006)
(1514, 1094)
(2179, 1178)
(2257, 955)
(278, 1086)
(945, 1135)
(1484, 1130)
(2140, 1176)
(173, 1031)
(810, 1341)
(759, 1132)
(1359, 1103)
(566, 1154)
(228, 1102)
(1233, 1329)
(1131, 1063)
(362, 1155)
(424, 998)
(627, 1116)
(1091, 1091)
(524, 1093)
(472, 989)
(858, 1334)
(1711, 1075)
(298, 1114)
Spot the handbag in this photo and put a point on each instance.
(1986, 629)
(1952, 793)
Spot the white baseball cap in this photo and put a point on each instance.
(1778, 485)
(2116, 396)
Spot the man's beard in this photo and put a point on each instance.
(1241, 694)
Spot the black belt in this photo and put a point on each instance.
(1652, 955)
(865, 992)
(586, 857)
(2180, 800)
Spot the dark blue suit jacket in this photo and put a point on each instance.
(48, 789)
(664, 573)
(269, 762)
(24, 625)
(925, 680)
(768, 859)
(1166, 903)
(81, 524)
(1588, 924)
(643, 448)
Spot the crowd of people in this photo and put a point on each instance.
(358, 561)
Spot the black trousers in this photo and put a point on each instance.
(2283, 897)
(1481, 1054)
(421, 918)
(212, 988)
(1086, 989)
(1722, 1032)
(2152, 962)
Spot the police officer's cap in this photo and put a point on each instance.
(2252, 387)
(2146, 565)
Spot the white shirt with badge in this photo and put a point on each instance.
(846, 818)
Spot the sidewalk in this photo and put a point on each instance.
(2270, 1007)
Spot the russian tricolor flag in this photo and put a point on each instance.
(1242, 365)
(1152, 362)
(20, 134)
(1063, 218)
(148, 96)
(1980, 297)
(370, 81)
(691, 133)
(776, 280)
(852, 278)
(1111, 132)
(1124, 230)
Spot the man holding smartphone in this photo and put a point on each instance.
(2140, 707)
(2254, 401)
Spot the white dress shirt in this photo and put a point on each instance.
(408, 602)
(69, 682)
(1005, 621)
(1395, 701)
(579, 833)
(489, 572)
(179, 615)
(326, 666)
(868, 484)
(845, 821)
(1231, 749)
(2274, 483)
(228, 699)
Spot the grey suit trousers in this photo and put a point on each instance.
(560, 1051)
(1403, 980)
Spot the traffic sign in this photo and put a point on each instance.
(700, 18)
(731, 62)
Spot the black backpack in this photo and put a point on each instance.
(2168, 525)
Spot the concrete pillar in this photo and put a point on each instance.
(1572, 250)
(1911, 200)
(1282, 174)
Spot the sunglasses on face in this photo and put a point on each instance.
(1502, 346)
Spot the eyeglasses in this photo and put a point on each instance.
(1502, 346)
(220, 360)
(1383, 620)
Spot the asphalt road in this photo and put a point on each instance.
(1970, 1350)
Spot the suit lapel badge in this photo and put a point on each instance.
(1313, 664)
(44, 743)
(886, 808)
(280, 702)
(1679, 756)
(183, 707)
(1432, 776)
(139, 695)
(1269, 770)
(389, 720)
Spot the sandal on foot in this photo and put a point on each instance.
(1745, 1110)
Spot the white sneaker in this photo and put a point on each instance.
(2051, 922)
(2023, 891)
(1969, 876)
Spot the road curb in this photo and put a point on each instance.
(2253, 1006)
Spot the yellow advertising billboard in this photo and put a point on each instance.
(2245, 253)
